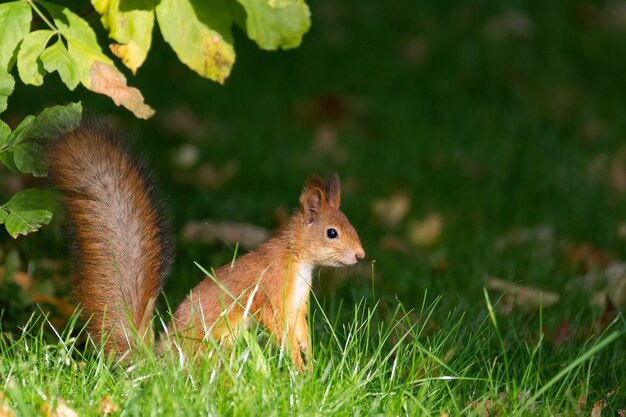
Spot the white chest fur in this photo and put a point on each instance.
(304, 277)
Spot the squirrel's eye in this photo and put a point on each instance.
(331, 233)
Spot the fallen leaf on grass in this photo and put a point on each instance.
(598, 406)
(609, 314)
(587, 256)
(6, 411)
(392, 210)
(21, 278)
(426, 232)
(618, 175)
(563, 332)
(59, 310)
(186, 156)
(212, 177)
(415, 51)
(107, 406)
(621, 230)
(605, 284)
(208, 176)
(332, 108)
(61, 410)
(183, 121)
(541, 234)
(248, 236)
(393, 243)
(510, 24)
(484, 408)
(621, 413)
(516, 295)
(325, 142)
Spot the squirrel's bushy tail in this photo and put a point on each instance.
(122, 249)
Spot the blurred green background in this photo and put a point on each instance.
(474, 140)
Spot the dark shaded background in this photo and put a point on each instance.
(506, 120)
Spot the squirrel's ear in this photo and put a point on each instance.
(312, 199)
(333, 191)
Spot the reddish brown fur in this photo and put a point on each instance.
(266, 281)
(121, 248)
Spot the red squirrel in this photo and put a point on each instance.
(122, 253)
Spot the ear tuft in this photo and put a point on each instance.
(312, 199)
(333, 191)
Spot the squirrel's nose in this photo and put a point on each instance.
(359, 254)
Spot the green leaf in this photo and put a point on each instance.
(29, 158)
(276, 24)
(15, 20)
(7, 83)
(23, 151)
(57, 58)
(27, 211)
(5, 131)
(14, 138)
(28, 66)
(55, 121)
(95, 70)
(199, 32)
(20, 132)
(130, 23)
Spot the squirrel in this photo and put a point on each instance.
(122, 253)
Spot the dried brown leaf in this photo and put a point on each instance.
(107, 406)
(330, 108)
(6, 411)
(621, 413)
(183, 121)
(107, 80)
(392, 210)
(209, 176)
(598, 406)
(248, 236)
(415, 51)
(22, 279)
(618, 175)
(587, 257)
(510, 24)
(426, 232)
(542, 234)
(393, 243)
(521, 296)
(61, 410)
(325, 142)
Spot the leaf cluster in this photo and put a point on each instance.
(198, 31)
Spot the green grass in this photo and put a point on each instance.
(363, 366)
(495, 135)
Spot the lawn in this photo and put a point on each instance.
(483, 162)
